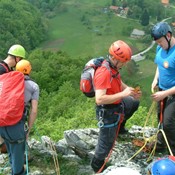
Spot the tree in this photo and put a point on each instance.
(140, 3)
(144, 18)
(114, 2)
(20, 23)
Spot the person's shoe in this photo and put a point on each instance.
(96, 165)
(123, 131)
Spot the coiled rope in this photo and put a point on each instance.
(153, 138)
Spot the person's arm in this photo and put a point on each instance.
(155, 81)
(124, 86)
(102, 98)
(160, 95)
(32, 115)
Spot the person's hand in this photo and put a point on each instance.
(128, 91)
(138, 92)
(158, 96)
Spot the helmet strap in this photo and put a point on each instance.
(15, 60)
(169, 43)
(110, 63)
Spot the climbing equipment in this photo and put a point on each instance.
(163, 166)
(17, 50)
(121, 51)
(152, 139)
(101, 124)
(24, 66)
(160, 29)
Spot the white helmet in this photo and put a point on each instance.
(123, 171)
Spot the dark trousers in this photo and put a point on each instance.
(168, 123)
(130, 106)
(107, 135)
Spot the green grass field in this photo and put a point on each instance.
(92, 36)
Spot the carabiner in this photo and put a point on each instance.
(100, 123)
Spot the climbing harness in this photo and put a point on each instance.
(102, 125)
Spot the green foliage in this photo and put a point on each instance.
(113, 2)
(145, 18)
(20, 25)
(91, 31)
(47, 7)
(143, 117)
(62, 105)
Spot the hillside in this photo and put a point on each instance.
(73, 32)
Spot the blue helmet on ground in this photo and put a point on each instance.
(160, 29)
(163, 167)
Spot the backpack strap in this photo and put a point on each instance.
(27, 78)
(108, 65)
(7, 70)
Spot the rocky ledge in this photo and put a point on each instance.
(80, 144)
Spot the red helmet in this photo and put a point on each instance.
(121, 51)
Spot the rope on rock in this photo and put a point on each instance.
(55, 159)
(152, 139)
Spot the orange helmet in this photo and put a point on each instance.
(24, 66)
(121, 51)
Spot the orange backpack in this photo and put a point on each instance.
(11, 98)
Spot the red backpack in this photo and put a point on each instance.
(11, 98)
(87, 75)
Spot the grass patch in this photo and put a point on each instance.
(83, 29)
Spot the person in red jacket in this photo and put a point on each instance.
(114, 99)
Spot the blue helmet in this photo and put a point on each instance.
(160, 29)
(163, 167)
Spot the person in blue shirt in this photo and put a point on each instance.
(163, 85)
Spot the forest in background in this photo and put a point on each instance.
(31, 23)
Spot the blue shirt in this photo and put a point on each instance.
(166, 67)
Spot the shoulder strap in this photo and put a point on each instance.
(7, 70)
(27, 78)
(107, 64)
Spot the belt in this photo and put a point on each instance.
(108, 106)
